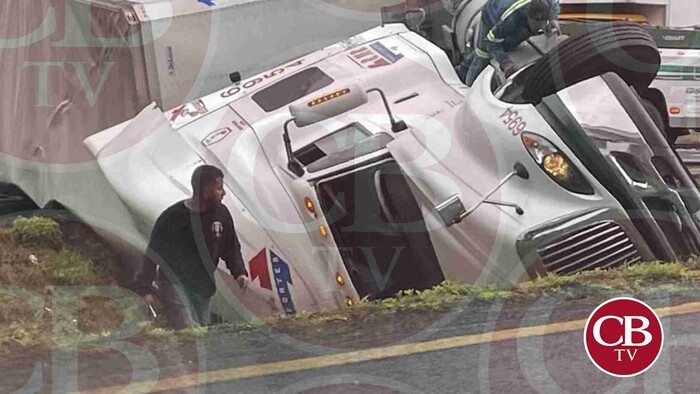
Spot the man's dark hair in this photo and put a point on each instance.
(204, 176)
(540, 9)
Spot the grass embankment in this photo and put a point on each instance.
(642, 279)
(38, 254)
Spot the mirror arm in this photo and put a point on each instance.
(292, 163)
(518, 209)
(452, 210)
(471, 210)
(395, 126)
(520, 171)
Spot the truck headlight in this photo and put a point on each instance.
(556, 164)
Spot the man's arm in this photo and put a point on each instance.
(494, 41)
(145, 277)
(232, 254)
(553, 25)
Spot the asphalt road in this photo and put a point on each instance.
(426, 353)
(541, 364)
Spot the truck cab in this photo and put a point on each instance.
(368, 168)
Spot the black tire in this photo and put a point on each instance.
(623, 48)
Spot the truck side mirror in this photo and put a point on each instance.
(328, 105)
(521, 171)
(450, 210)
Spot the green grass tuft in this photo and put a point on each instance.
(491, 293)
(37, 231)
(70, 268)
(21, 336)
(656, 271)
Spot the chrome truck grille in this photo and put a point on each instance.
(600, 245)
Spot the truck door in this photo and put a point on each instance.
(380, 230)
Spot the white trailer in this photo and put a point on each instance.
(74, 67)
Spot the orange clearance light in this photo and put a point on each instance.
(323, 230)
(675, 110)
(328, 97)
(339, 278)
(309, 205)
(349, 301)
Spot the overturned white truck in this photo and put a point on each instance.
(368, 167)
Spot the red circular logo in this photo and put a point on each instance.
(623, 337)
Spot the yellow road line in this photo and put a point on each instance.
(253, 371)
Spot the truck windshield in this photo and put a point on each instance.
(291, 89)
(339, 140)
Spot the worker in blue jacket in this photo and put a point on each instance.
(505, 24)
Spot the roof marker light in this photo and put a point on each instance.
(328, 97)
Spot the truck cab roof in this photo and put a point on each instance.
(382, 59)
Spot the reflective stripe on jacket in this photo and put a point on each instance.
(506, 23)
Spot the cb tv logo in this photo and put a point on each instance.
(623, 337)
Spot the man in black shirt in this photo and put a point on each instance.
(187, 242)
